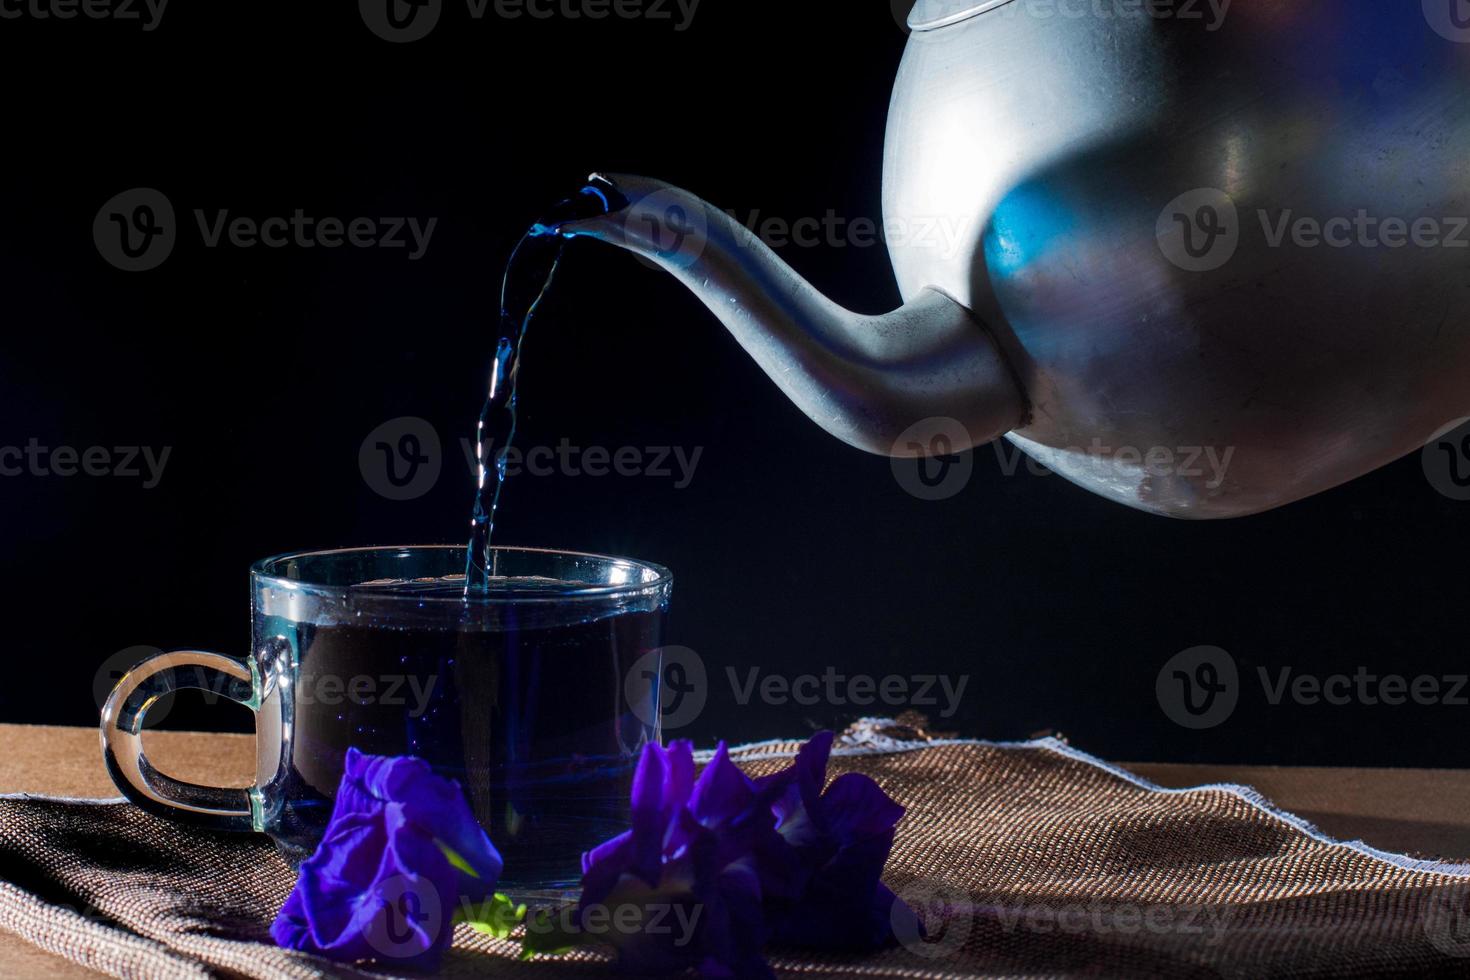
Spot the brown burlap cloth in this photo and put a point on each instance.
(1024, 860)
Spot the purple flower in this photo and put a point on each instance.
(842, 838)
(401, 850)
(686, 886)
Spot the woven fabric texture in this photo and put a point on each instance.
(1023, 860)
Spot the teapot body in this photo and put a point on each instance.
(1227, 255)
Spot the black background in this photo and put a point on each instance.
(265, 369)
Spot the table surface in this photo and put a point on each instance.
(1420, 811)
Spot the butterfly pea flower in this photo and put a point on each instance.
(689, 879)
(401, 853)
(841, 837)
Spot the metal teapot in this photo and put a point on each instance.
(1242, 231)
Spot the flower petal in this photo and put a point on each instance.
(401, 849)
(855, 807)
(437, 806)
(722, 794)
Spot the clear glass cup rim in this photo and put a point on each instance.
(653, 578)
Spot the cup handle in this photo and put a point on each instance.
(216, 807)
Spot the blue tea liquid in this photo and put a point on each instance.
(528, 275)
(531, 718)
(529, 714)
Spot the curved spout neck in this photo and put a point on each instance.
(868, 380)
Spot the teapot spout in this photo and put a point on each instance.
(868, 380)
